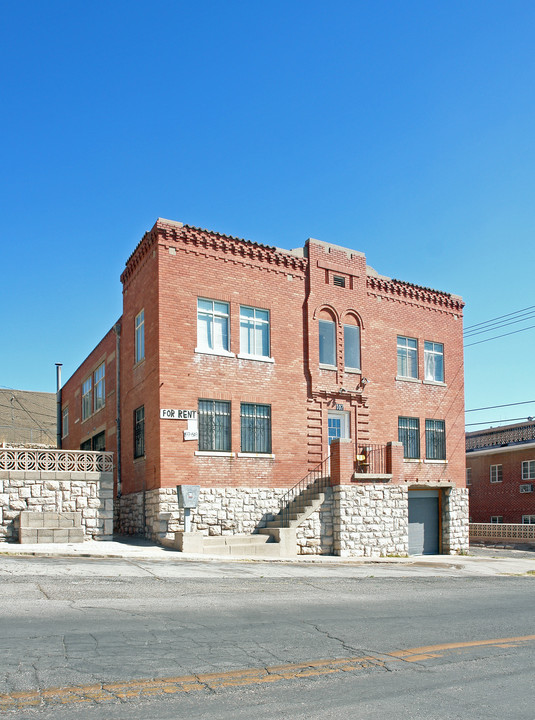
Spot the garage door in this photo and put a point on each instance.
(423, 522)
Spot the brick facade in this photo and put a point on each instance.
(504, 449)
(175, 265)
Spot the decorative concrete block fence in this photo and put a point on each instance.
(56, 481)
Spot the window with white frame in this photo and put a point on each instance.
(255, 428)
(352, 347)
(212, 325)
(99, 387)
(409, 435)
(528, 519)
(140, 336)
(495, 519)
(528, 470)
(139, 432)
(86, 398)
(495, 473)
(327, 338)
(433, 361)
(214, 425)
(254, 332)
(407, 357)
(65, 422)
(526, 488)
(435, 439)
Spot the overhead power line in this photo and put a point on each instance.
(493, 407)
(498, 326)
(486, 322)
(508, 420)
(495, 337)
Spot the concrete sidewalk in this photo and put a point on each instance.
(479, 562)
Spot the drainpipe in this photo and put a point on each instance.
(117, 329)
(58, 405)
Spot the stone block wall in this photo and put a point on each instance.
(222, 511)
(455, 521)
(89, 493)
(370, 520)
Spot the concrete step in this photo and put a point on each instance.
(259, 545)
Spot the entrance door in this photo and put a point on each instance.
(338, 422)
(423, 522)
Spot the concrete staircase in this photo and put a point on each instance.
(244, 545)
(300, 508)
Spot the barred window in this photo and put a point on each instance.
(435, 439)
(255, 428)
(139, 432)
(409, 435)
(495, 473)
(86, 398)
(214, 425)
(407, 357)
(99, 392)
(468, 476)
(528, 470)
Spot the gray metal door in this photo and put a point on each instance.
(423, 522)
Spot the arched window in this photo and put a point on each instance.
(351, 342)
(327, 338)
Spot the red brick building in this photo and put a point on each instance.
(239, 365)
(500, 472)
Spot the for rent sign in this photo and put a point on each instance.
(170, 414)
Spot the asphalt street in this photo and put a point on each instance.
(139, 638)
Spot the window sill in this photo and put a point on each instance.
(495, 482)
(434, 382)
(357, 371)
(267, 456)
(138, 363)
(139, 459)
(408, 379)
(328, 367)
(412, 460)
(436, 462)
(213, 453)
(220, 353)
(258, 358)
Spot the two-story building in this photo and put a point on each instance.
(236, 365)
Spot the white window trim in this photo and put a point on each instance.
(328, 367)
(266, 456)
(352, 370)
(259, 358)
(434, 382)
(435, 462)
(213, 453)
(527, 477)
(221, 353)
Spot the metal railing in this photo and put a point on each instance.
(296, 499)
(55, 460)
(371, 459)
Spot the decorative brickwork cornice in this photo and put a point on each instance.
(404, 291)
(139, 254)
(228, 245)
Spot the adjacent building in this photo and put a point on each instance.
(27, 418)
(500, 474)
(236, 365)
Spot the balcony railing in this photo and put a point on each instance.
(371, 459)
(55, 460)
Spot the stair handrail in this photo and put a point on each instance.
(320, 477)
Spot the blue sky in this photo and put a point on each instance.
(404, 129)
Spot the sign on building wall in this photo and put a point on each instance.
(192, 432)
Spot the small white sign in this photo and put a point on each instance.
(191, 435)
(178, 414)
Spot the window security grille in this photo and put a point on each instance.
(255, 428)
(409, 435)
(214, 425)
